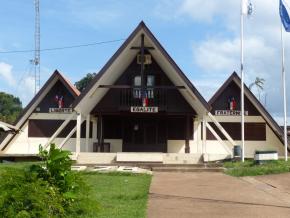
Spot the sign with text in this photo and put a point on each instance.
(229, 113)
(61, 110)
(144, 109)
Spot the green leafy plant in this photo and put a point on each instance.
(25, 195)
(56, 168)
(46, 189)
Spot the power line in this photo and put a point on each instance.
(62, 48)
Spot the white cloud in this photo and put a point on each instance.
(6, 73)
(218, 56)
(208, 86)
(280, 120)
(202, 10)
(196, 10)
(26, 90)
(223, 55)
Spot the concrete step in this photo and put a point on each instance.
(152, 165)
(96, 158)
(157, 164)
(187, 169)
(157, 167)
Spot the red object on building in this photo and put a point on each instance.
(145, 102)
(233, 104)
(60, 102)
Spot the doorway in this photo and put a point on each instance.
(144, 134)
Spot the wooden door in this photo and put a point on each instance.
(144, 135)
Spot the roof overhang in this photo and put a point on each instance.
(261, 109)
(28, 110)
(113, 69)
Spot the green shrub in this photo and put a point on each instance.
(56, 168)
(47, 189)
(25, 195)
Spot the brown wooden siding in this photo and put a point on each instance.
(233, 90)
(175, 126)
(3, 135)
(253, 131)
(46, 128)
(112, 127)
(49, 100)
(175, 103)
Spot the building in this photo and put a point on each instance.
(141, 107)
(261, 130)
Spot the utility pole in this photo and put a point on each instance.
(36, 61)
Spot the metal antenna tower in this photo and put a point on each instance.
(36, 60)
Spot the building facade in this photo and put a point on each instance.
(142, 103)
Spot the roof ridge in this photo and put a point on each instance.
(142, 26)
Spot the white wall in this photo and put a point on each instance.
(22, 144)
(116, 144)
(272, 142)
(178, 146)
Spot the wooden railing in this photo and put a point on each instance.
(133, 97)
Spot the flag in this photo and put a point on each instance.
(284, 15)
(247, 7)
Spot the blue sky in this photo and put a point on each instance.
(202, 36)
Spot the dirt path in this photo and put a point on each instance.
(182, 195)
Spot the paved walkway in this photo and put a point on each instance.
(182, 195)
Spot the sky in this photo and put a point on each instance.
(202, 36)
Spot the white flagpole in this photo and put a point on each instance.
(242, 83)
(284, 94)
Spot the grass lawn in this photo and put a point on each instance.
(118, 194)
(250, 168)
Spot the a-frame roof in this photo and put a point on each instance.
(28, 110)
(158, 53)
(252, 98)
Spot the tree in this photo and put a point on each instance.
(83, 83)
(259, 83)
(10, 107)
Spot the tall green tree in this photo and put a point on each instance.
(83, 83)
(10, 107)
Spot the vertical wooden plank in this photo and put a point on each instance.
(95, 129)
(187, 134)
(102, 132)
(142, 68)
(78, 139)
(204, 135)
(88, 119)
(99, 131)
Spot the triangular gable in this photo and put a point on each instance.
(58, 94)
(251, 99)
(109, 104)
(123, 57)
(37, 99)
(232, 92)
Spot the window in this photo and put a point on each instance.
(150, 84)
(150, 80)
(137, 87)
(137, 83)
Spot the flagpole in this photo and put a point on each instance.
(284, 94)
(242, 85)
